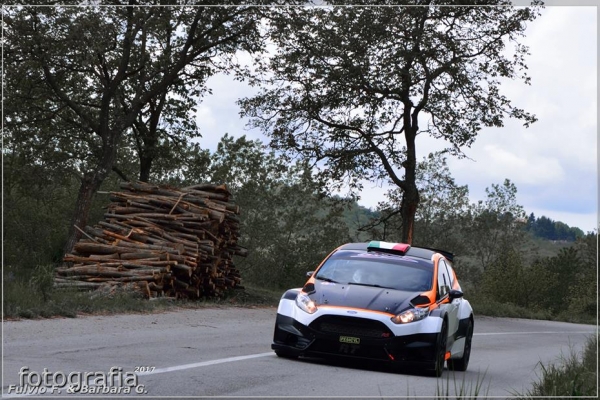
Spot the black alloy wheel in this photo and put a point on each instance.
(440, 351)
(461, 364)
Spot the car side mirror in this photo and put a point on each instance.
(310, 273)
(455, 294)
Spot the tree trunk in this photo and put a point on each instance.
(410, 198)
(410, 202)
(89, 186)
(145, 166)
(90, 183)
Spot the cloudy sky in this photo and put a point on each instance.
(554, 163)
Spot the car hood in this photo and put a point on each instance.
(366, 297)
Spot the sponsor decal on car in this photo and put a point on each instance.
(349, 339)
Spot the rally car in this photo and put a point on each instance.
(379, 301)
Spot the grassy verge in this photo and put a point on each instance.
(451, 388)
(25, 300)
(492, 308)
(574, 375)
(22, 300)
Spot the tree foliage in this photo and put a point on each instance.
(444, 208)
(496, 223)
(349, 87)
(74, 94)
(549, 229)
(564, 284)
(288, 225)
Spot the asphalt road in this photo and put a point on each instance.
(226, 352)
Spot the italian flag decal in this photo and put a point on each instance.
(399, 247)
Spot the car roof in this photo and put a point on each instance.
(415, 252)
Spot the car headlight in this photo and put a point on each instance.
(412, 315)
(305, 303)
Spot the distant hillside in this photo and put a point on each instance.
(357, 216)
(546, 228)
(543, 228)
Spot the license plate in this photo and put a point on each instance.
(349, 339)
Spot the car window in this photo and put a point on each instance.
(449, 272)
(444, 283)
(377, 271)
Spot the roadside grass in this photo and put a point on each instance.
(461, 389)
(491, 308)
(253, 296)
(21, 300)
(25, 299)
(574, 375)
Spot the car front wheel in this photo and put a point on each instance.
(461, 364)
(440, 351)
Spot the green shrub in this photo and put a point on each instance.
(42, 280)
(575, 375)
(460, 389)
(34, 299)
(484, 305)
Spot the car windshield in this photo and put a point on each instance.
(377, 271)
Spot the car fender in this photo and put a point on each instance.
(434, 320)
(464, 310)
(288, 302)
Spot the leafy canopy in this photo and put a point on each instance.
(351, 88)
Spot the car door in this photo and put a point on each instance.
(451, 307)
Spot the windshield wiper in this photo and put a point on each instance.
(369, 284)
(326, 279)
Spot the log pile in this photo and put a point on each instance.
(161, 241)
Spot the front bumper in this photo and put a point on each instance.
(370, 340)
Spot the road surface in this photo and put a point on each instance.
(226, 352)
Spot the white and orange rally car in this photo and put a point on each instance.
(379, 301)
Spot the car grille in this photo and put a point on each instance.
(350, 326)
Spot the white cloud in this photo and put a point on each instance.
(218, 112)
(554, 163)
(531, 170)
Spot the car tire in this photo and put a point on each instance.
(461, 364)
(440, 351)
(284, 354)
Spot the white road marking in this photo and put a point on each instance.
(174, 368)
(530, 333)
(204, 363)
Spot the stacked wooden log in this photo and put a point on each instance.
(161, 241)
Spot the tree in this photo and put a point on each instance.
(288, 227)
(75, 93)
(583, 296)
(507, 279)
(349, 87)
(443, 208)
(530, 227)
(496, 224)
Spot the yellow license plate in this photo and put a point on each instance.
(349, 339)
